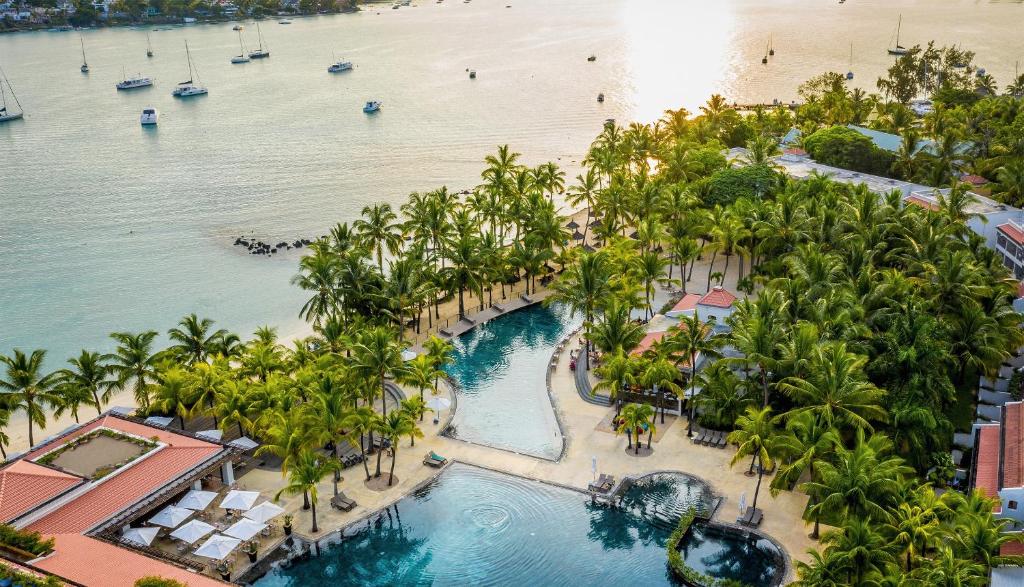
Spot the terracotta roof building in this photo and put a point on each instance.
(25, 485)
(998, 465)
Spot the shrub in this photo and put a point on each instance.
(728, 185)
(158, 582)
(27, 580)
(23, 540)
(684, 573)
(844, 147)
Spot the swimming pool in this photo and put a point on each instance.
(500, 372)
(473, 526)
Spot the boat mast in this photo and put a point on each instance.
(899, 23)
(188, 57)
(13, 95)
(241, 45)
(84, 62)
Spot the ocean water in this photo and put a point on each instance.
(106, 226)
(500, 372)
(476, 527)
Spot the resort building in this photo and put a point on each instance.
(87, 486)
(998, 465)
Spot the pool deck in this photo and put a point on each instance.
(580, 421)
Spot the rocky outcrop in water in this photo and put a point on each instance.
(258, 247)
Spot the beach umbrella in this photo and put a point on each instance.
(408, 355)
(439, 403)
(210, 434)
(244, 443)
(141, 536)
(589, 248)
(218, 546)
(196, 500)
(572, 225)
(244, 529)
(171, 516)
(192, 531)
(577, 236)
(239, 500)
(264, 512)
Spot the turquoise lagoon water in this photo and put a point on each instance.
(476, 527)
(500, 372)
(106, 227)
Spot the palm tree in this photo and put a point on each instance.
(193, 339)
(755, 435)
(287, 438)
(88, 377)
(912, 528)
(26, 389)
(5, 419)
(464, 271)
(319, 274)
(397, 424)
(378, 229)
(376, 355)
(309, 470)
(172, 393)
(758, 339)
(616, 331)
(1010, 183)
(440, 352)
(584, 286)
(859, 549)
(205, 381)
(422, 373)
(585, 191)
(615, 374)
(632, 420)
(134, 361)
(362, 422)
(809, 441)
(232, 406)
(415, 407)
(328, 416)
(690, 340)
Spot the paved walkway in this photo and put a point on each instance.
(585, 440)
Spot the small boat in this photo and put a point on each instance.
(592, 58)
(262, 52)
(472, 74)
(149, 117)
(6, 114)
(340, 66)
(241, 57)
(189, 19)
(284, 21)
(85, 64)
(371, 107)
(771, 45)
(600, 97)
(190, 87)
(849, 74)
(149, 47)
(238, 27)
(134, 82)
(898, 49)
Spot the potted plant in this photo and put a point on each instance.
(251, 550)
(288, 524)
(225, 572)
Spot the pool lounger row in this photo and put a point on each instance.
(715, 438)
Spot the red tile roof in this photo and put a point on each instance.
(1013, 445)
(648, 341)
(974, 179)
(718, 297)
(795, 151)
(1011, 549)
(130, 485)
(25, 485)
(1014, 233)
(91, 562)
(686, 304)
(986, 461)
(923, 203)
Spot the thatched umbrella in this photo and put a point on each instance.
(572, 225)
(577, 235)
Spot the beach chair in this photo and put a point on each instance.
(342, 502)
(710, 436)
(722, 440)
(701, 435)
(433, 459)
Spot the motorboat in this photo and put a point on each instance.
(134, 83)
(262, 52)
(238, 27)
(340, 66)
(371, 106)
(241, 57)
(898, 49)
(592, 58)
(600, 97)
(472, 74)
(190, 87)
(285, 21)
(149, 117)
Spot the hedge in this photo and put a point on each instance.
(20, 540)
(26, 580)
(684, 573)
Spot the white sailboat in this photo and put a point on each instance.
(6, 114)
(262, 52)
(190, 87)
(849, 74)
(85, 64)
(241, 57)
(149, 47)
(898, 49)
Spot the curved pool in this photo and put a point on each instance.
(500, 374)
(473, 526)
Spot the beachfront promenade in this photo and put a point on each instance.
(587, 436)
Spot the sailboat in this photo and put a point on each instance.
(771, 45)
(189, 88)
(149, 47)
(764, 59)
(898, 49)
(85, 64)
(5, 113)
(261, 52)
(849, 74)
(241, 57)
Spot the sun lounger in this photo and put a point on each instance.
(723, 440)
(445, 332)
(603, 484)
(434, 460)
(709, 437)
(701, 434)
(752, 517)
(342, 502)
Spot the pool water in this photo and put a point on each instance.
(472, 526)
(716, 553)
(500, 372)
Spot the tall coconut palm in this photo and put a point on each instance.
(362, 422)
(756, 436)
(287, 437)
(397, 424)
(912, 528)
(232, 406)
(172, 393)
(758, 339)
(205, 381)
(689, 341)
(440, 352)
(616, 331)
(88, 376)
(319, 274)
(615, 375)
(328, 412)
(134, 362)
(379, 229)
(632, 420)
(5, 440)
(584, 287)
(309, 470)
(422, 373)
(415, 407)
(376, 355)
(860, 550)
(25, 388)
(193, 340)
(808, 442)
